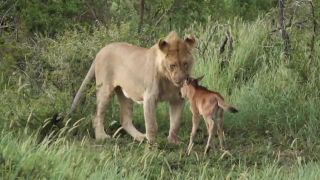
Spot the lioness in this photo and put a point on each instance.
(143, 75)
(207, 104)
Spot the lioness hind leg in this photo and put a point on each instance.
(126, 108)
(103, 96)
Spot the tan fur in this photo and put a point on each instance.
(144, 75)
(205, 103)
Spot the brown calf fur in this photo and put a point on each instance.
(208, 104)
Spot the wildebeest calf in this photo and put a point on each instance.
(208, 104)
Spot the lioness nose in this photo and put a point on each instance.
(178, 82)
(182, 78)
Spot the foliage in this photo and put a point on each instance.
(54, 16)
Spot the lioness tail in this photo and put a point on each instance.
(86, 80)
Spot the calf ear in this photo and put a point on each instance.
(200, 78)
(188, 80)
(163, 45)
(190, 40)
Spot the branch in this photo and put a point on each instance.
(230, 43)
(92, 11)
(209, 39)
(160, 19)
(223, 44)
(227, 40)
(166, 11)
(4, 15)
(6, 26)
(298, 24)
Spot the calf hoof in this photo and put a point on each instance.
(207, 149)
(189, 148)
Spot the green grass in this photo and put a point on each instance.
(24, 157)
(274, 136)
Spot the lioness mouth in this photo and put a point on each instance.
(178, 84)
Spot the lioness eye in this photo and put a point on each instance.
(172, 66)
(185, 65)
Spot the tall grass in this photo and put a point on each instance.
(24, 157)
(275, 135)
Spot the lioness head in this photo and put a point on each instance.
(176, 60)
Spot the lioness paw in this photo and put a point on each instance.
(174, 140)
(140, 138)
(102, 136)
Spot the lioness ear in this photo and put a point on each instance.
(163, 45)
(200, 78)
(190, 40)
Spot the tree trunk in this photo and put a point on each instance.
(141, 15)
(314, 31)
(284, 33)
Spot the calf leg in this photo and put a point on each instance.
(220, 128)
(210, 125)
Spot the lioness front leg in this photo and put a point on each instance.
(149, 106)
(175, 116)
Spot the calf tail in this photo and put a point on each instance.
(226, 107)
